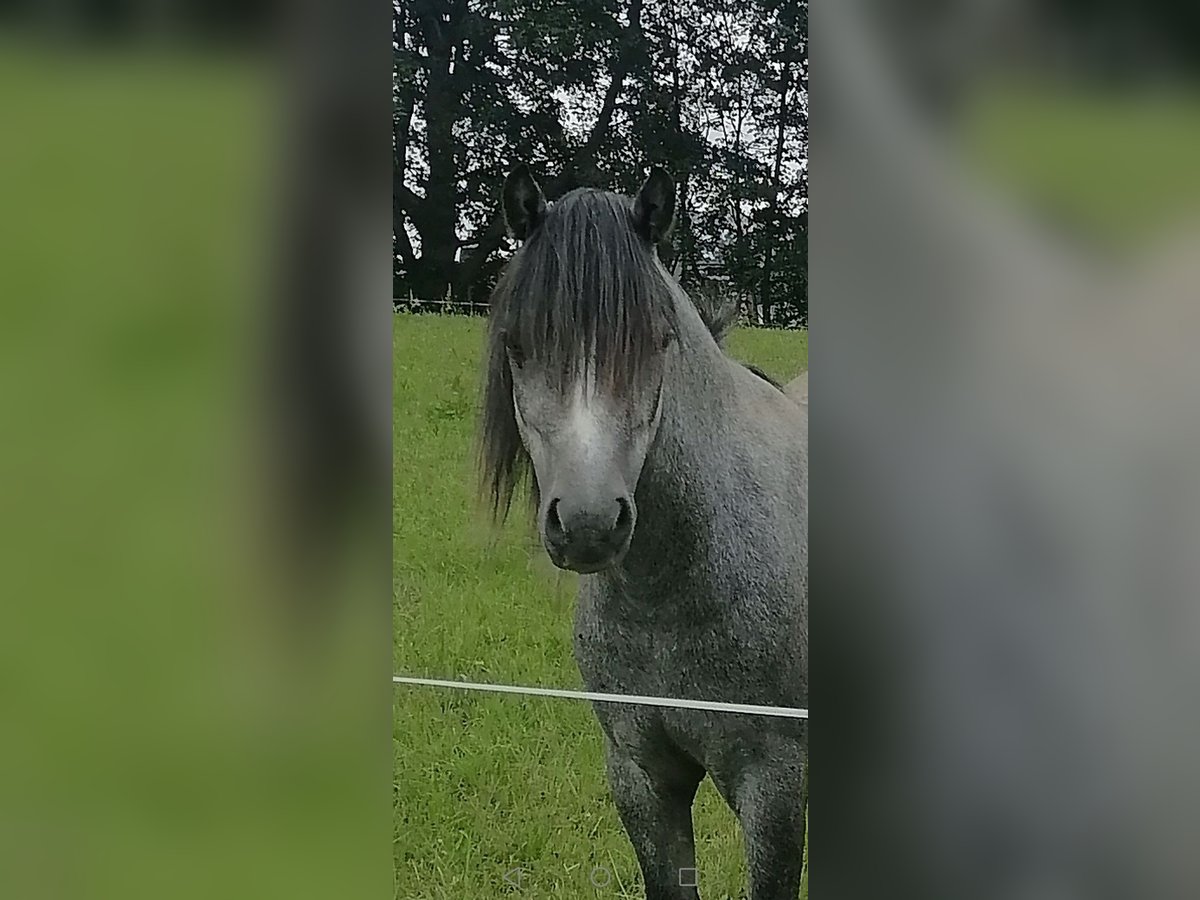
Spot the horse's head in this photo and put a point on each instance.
(581, 327)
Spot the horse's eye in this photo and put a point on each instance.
(667, 338)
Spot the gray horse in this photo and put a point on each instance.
(675, 481)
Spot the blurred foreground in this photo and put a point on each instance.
(1006, 423)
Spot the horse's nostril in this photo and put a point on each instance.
(554, 526)
(624, 516)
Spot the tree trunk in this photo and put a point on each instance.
(773, 225)
(440, 206)
(680, 239)
(406, 102)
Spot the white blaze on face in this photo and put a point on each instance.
(585, 415)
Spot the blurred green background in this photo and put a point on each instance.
(164, 734)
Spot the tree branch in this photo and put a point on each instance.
(630, 41)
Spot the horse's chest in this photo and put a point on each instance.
(741, 652)
(680, 663)
(651, 657)
(723, 658)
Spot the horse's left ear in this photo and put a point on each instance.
(524, 204)
(654, 209)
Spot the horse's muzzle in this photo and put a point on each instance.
(587, 539)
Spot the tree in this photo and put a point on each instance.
(590, 93)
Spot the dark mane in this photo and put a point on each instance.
(764, 376)
(583, 281)
(719, 314)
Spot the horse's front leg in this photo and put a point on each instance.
(768, 798)
(766, 786)
(655, 805)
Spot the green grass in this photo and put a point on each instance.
(484, 784)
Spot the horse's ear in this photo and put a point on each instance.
(654, 209)
(524, 204)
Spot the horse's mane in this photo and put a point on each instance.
(719, 317)
(764, 376)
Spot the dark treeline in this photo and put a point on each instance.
(196, 20)
(590, 93)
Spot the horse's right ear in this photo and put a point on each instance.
(654, 208)
(524, 204)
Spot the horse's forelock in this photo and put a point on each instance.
(585, 290)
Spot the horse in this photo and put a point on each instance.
(674, 480)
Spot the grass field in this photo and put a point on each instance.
(488, 783)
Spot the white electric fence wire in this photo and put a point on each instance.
(707, 705)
